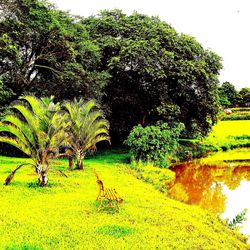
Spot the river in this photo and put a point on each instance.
(222, 188)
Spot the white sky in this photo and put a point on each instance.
(221, 25)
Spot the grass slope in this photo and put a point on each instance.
(64, 215)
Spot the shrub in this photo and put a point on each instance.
(238, 219)
(155, 143)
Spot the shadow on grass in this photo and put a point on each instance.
(115, 230)
(110, 156)
(23, 247)
(46, 189)
(105, 209)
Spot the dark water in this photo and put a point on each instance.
(223, 190)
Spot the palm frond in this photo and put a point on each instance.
(24, 128)
(95, 140)
(12, 129)
(30, 118)
(36, 104)
(89, 105)
(88, 125)
(16, 143)
(36, 130)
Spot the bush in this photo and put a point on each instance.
(155, 143)
(238, 219)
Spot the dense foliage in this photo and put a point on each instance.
(228, 94)
(230, 97)
(45, 51)
(156, 73)
(139, 67)
(245, 96)
(155, 143)
(234, 117)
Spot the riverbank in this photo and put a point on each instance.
(231, 158)
(64, 215)
(218, 183)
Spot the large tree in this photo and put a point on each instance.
(229, 96)
(155, 72)
(46, 51)
(245, 96)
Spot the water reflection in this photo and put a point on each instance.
(210, 186)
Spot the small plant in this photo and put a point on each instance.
(238, 219)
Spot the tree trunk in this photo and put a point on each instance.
(79, 164)
(42, 175)
(70, 163)
(79, 159)
(143, 120)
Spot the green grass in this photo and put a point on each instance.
(64, 215)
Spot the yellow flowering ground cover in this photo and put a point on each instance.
(64, 215)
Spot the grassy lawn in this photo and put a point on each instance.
(64, 215)
(234, 128)
(230, 134)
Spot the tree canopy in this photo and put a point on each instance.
(154, 69)
(137, 66)
(229, 96)
(245, 96)
(44, 51)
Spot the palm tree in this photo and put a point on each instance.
(88, 127)
(37, 128)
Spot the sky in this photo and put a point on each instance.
(219, 25)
